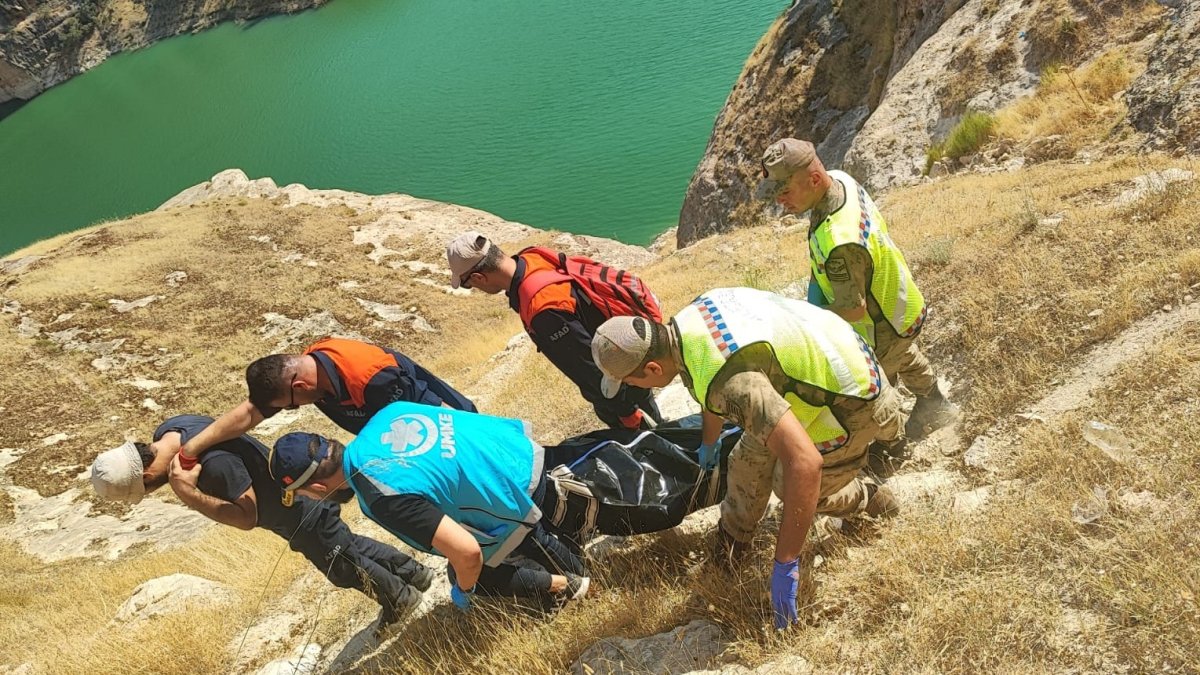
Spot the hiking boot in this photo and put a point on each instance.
(929, 414)
(825, 527)
(395, 610)
(729, 553)
(422, 579)
(885, 457)
(881, 502)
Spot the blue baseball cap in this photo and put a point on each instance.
(292, 462)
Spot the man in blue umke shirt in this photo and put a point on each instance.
(462, 485)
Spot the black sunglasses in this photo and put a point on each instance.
(464, 280)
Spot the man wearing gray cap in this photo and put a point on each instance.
(802, 384)
(232, 485)
(559, 314)
(857, 271)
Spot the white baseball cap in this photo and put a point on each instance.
(464, 253)
(117, 474)
(618, 348)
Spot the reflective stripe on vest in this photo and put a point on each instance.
(812, 346)
(860, 222)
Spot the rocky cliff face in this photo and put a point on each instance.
(874, 84)
(1165, 101)
(44, 42)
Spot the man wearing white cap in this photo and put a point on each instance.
(857, 271)
(232, 485)
(562, 300)
(803, 385)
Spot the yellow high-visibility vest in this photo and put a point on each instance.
(860, 222)
(813, 346)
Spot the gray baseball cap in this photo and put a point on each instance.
(464, 253)
(117, 474)
(618, 348)
(780, 161)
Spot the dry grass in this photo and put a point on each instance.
(59, 617)
(1080, 105)
(1012, 303)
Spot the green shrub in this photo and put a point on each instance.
(971, 132)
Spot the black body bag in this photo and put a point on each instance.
(622, 482)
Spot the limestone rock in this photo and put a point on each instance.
(228, 183)
(289, 332)
(674, 401)
(303, 662)
(1164, 102)
(397, 314)
(1047, 148)
(866, 88)
(1155, 182)
(970, 63)
(272, 634)
(18, 265)
(170, 595)
(122, 307)
(686, 648)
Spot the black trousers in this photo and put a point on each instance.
(527, 571)
(350, 560)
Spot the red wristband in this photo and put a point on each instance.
(185, 462)
(633, 420)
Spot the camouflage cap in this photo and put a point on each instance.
(780, 161)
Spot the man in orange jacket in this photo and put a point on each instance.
(558, 318)
(348, 380)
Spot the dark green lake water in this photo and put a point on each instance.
(584, 117)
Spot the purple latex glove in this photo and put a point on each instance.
(785, 582)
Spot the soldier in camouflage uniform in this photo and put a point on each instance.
(803, 385)
(857, 271)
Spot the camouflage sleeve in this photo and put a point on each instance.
(748, 399)
(848, 268)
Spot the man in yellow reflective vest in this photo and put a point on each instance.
(857, 271)
(805, 388)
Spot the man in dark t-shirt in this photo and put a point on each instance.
(233, 486)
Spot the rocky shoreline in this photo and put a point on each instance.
(43, 43)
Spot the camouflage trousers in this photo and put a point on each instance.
(902, 359)
(754, 470)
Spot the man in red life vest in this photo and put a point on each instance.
(348, 380)
(561, 314)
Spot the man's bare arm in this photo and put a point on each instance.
(801, 464)
(227, 427)
(242, 514)
(848, 268)
(710, 427)
(461, 549)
